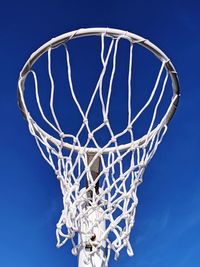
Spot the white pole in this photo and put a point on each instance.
(96, 259)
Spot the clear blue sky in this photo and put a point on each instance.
(167, 229)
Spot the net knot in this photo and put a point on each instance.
(120, 160)
(59, 177)
(85, 120)
(58, 174)
(105, 120)
(106, 170)
(75, 140)
(69, 173)
(58, 226)
(132, 148)
(113, 139)
(87, 169)
(62, 135)
(60, 155)
(129, 127)
(90, 135)
(142, 165)
(81, 151)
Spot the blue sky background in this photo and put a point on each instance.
(167, 229)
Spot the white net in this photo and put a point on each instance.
(111, 196)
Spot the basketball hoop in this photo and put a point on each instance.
(102, 211)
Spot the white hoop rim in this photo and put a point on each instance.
(113, 33)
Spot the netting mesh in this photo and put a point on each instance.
(110, 198)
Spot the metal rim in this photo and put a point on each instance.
(110, 33)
